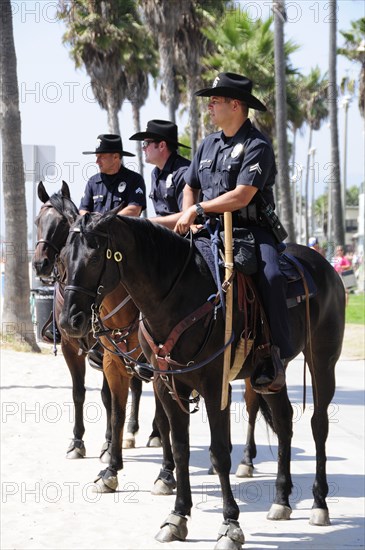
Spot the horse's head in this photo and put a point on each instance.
(53, 223)
(92, 271)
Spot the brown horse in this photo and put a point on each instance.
(119, 314)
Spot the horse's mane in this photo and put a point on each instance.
(64, 206)
(148, 235)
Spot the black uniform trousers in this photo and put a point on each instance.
(272, 285)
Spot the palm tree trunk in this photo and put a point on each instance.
(306, 191)
(166, 49)
(335, 181)
(17, 320)
(112, 112)
(194, 117)
(281, 121)
(137, 128)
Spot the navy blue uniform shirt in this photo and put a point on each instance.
(104, 192)
(222, 163)
(167, 185)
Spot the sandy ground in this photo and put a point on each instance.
(47, 501)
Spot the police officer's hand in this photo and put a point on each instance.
(186, 220)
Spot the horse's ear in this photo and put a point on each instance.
(65, 190)
(42, 193)
(110, 214)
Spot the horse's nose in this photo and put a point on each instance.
(75, 324)
(42, 267)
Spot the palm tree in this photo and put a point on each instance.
(192, 45)
(17, 320)
(102, 38)
(354, 49)
(247, 47)
(163, 18)
(336, 223)
(136, 72)
(313, 90)
(281, 119)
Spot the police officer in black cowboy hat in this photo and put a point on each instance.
(235, 171)
(160, 144)
(115, 185)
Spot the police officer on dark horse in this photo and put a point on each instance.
(235, 171)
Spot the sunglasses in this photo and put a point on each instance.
(146, 143)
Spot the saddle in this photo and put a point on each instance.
(300, 281)
(268, 370)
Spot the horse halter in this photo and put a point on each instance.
(47, 241)
(117, 256)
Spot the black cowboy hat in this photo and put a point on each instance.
(160, 130)
(109, 143)
(234, 86)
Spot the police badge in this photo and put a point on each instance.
(237, 150)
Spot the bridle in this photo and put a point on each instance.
(51, 204)
(76, 288)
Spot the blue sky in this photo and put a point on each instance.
(58, 109)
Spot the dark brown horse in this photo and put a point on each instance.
(119, 312)
(183, 337)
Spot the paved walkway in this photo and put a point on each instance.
(47, 502)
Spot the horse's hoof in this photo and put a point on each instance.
(105, 455)
(212, 471)
(129, 442)
(101, 487)
(106, 482)
(162, 488)
(230, 536)
(319, 516)
(244, 470)
(76, 449)
(154, 442)
(173, 528)
(279, 512)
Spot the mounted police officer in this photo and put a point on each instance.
(235, 171)
(115, 185)
(160, 145)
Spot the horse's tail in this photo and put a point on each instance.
(266, 412)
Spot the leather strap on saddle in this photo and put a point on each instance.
(162, 351)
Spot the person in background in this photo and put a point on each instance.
(114, 185)
(160, 145)
(341, 263)
(235, 171)
(314, 244)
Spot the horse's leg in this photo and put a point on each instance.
(107, 402)
(154, 439)
(245, 468)
(165, 482)
(230, 535)
(323, 383)
(107, 480)
(281, 416)
(133, 425)
(76, 366)
(174, 527)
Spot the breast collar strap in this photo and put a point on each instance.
(162, 351)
